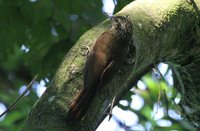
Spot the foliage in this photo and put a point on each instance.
(34, 37)
(160, 104)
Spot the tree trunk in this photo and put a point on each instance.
(164, 31)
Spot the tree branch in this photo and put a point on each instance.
(163, 31)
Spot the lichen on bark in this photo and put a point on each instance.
(164, 31)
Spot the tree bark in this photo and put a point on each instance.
(164, 31)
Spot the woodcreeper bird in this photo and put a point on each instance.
(104, 60)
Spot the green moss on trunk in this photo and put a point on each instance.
(163, 31)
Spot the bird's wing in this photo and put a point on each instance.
(98, 60)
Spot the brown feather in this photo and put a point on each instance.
(104, 60)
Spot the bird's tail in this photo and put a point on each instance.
(80, 105)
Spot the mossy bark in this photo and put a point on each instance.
(164, 31)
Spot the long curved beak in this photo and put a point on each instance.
(109, 16)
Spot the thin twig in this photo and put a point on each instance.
(111, 108)
(19, 98)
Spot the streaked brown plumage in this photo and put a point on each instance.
(104, 60)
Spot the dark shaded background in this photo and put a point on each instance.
(35, 36)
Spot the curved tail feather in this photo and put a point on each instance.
(79, 107)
